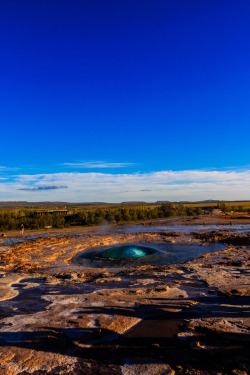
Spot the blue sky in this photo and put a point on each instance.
(101, 100)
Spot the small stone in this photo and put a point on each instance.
(161, 288)
(185, 335)
(224, 293)
(156, 345)
(108, 280)
(239, 372)
(240, 292)
(197, 344)
(63, 275)
(136, 291)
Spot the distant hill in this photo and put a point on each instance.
(71, 205)
(133, 202)
(210, 201)
(24, 204)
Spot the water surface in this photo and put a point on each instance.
(162, 254)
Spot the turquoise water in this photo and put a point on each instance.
(135, 255)
(125, 251)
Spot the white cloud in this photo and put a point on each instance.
(48, 187)
(163, 185)
(3, 168)
(98, 164)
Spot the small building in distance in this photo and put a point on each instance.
(58, 212)
(211, 210)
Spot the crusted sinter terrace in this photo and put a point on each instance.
(126, 301)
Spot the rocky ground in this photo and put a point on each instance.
(57, 317)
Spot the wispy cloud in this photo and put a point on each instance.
(39, 188)
(98, 164)
(3, 168)
(136, 191)
(117, 187)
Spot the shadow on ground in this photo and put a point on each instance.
(153, 339)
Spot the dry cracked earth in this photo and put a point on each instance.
(58, 317)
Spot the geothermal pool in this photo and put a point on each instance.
(125, 252)
(141, 254)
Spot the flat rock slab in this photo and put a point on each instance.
(147, 369)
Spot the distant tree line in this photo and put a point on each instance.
(228, 207)
(12, 219)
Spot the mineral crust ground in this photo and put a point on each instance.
(58, 317)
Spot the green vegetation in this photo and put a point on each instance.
(34, 219)
(62, 215)
(217, 204)
(230, 207)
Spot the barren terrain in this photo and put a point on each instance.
(58, 317)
